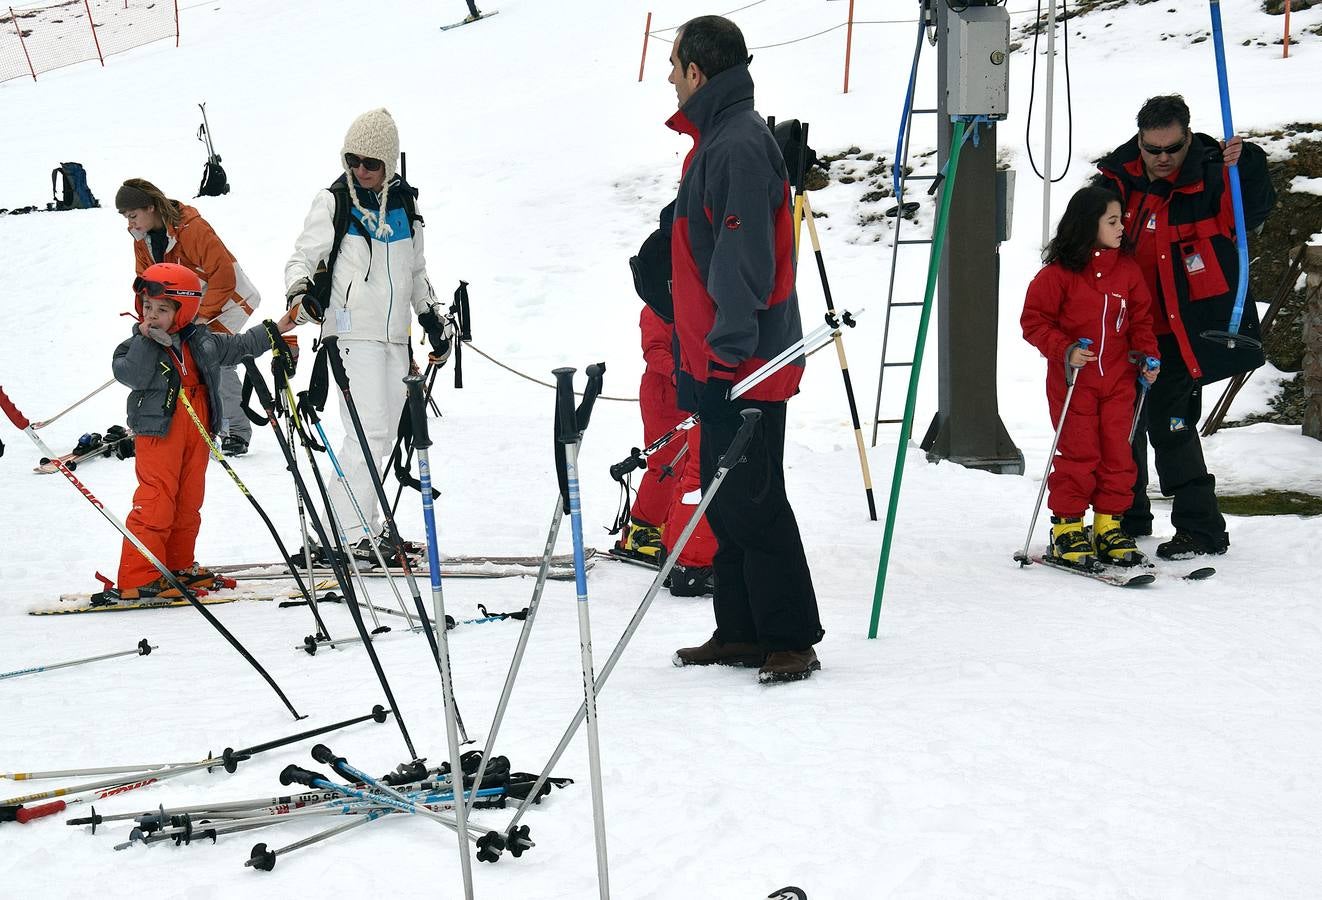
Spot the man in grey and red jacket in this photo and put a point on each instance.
(732, 251)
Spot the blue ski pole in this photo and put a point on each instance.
(569, 431)
(1231, 336)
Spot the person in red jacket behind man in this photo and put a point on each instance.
(1088, 309)
(1179, 221)
(732, 270)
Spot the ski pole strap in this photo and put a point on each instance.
(595, 372)
(330, 348)
(417, 412)
(319, 384)
(253, 416)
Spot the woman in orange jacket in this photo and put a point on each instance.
(166, 230)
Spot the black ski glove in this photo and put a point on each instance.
(303, 306)
(440, 333)
(714, 403)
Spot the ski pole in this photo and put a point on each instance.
(525, 633)
(1149, 364)
(143, 649)
(331, 347)
(71, 407)
(159, 817)
(229, 761)
(264, 859)
(399, 440)
(243, 489)
(79, 773)
(21, 422)
(1231, 336)
(569, 430)
(346, 584)
(1070, 372)
(809, 343)
(362, 519)
(728, 461)
(840, 354)
(422, 444)
(307, 553)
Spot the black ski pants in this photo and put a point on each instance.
(1170, 423)
(764, 591)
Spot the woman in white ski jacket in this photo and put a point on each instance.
(378, 278)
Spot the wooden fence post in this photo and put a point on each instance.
(849, 43)
(92, 25)
(647, 33)
(13, 17)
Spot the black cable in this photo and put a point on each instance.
(1069, 100)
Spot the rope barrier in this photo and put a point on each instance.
(547, 384)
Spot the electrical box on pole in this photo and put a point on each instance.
(972, 81)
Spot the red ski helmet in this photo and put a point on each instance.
(173, 282)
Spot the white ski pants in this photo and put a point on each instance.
(376, 373)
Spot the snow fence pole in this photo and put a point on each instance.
(729, 460)
(1231, 336)
(22, 423)
(341, 575)
(1071, 371)
(906, 428)
(143, 649)
(331, 347)
(421, 445)
(570, 425)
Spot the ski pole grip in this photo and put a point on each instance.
(595, 372)
(741, 438)
(28, 813)
(566, 430)
(418, 412)
(1070, 369)
(292, 774)
(20, 421)
(631, 463)
(324, 755)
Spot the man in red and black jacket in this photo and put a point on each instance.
(1180, 223)
(735, 307)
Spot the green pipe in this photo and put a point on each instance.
(906, 429)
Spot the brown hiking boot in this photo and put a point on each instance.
(788, 665)
(714, 652)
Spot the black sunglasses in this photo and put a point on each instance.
(156, 289)
(1169, 151)
(353, 161)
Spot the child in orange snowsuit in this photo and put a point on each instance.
(1089, 309)
(170, 362)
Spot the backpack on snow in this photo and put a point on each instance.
(321, 279)
(214, 183)
(73, 186)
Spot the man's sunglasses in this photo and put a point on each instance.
(1169, 151)
(353, 161)
(155, 289)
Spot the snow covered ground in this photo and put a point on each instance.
(1010, 734)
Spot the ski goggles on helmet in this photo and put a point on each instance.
(1170, 150)
(157, 289)
(353, 161)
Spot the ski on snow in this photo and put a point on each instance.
(1121, 576)
(86, 451)
(72, 604)
(457, 566)
(470, 21)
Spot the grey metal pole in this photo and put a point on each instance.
(1050, 109)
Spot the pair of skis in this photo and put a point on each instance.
(90, 446)
(1118, 576)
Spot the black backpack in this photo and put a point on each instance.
(321, 279)
(72, 183)
(214, 183)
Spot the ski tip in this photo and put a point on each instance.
(1140, 580)
(1200, 574)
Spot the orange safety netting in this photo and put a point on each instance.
(35, 39)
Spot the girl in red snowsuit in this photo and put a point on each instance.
(1089, 289)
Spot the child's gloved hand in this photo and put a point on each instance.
(1151, 368)
(159, 335)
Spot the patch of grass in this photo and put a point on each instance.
(1271, 503)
